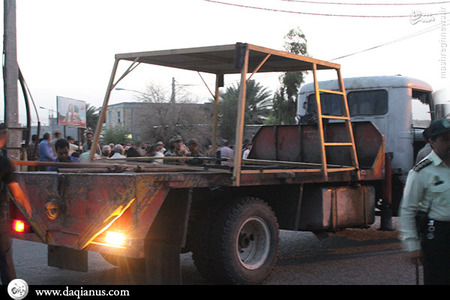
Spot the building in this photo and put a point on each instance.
(147, 122)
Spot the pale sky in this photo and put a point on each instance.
(67, 47)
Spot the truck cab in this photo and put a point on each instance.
(442, 103)
(399, 106)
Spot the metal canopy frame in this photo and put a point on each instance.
(225, 59)
(236, 58)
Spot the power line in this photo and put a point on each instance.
(426, 30)
(318, 14)
(368, 4)
(434, 27)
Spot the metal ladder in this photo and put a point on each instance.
(346, 117)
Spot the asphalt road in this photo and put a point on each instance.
(348, 257)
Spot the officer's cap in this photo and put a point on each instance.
(438, 127)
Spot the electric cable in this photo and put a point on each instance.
(368, 4)
(319, 14)
(426, 30)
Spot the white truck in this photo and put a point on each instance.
(399, 106)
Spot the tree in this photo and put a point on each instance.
(116, 135)
(285, 99)
(257, 107)
(91, 116)
(164, 119)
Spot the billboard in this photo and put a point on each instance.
(71, 112)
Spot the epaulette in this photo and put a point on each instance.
(422, 164)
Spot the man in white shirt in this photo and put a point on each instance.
(226, 153)
(118, 150)
(427, 193)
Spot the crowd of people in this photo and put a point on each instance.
(49, 149)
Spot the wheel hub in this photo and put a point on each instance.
(253, 243)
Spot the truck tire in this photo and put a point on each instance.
(242, 244)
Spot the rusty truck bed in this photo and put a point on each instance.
(73, 207)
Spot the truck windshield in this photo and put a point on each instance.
(420, 108)
(368, 103)
(361, 103)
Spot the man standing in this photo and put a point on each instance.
(45, 148)
(427, 192)
(194, 152)
(88, 144)
(226, 154)
(178, 147)
(62, 148)
(8, 181)
(177, 150)
(72, 146)
(160, 147)
(57, 135)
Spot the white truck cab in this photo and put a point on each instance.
(399, 106)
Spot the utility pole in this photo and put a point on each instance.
(10, 79)
(172, 98)
(174, 90)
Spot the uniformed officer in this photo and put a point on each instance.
(427, 192)
(7, 180)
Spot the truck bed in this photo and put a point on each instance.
(74, 206)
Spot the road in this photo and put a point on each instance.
(348, 257)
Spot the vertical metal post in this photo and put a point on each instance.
(102, 116)
(320, 124)
(10, 78)
(386, 208)
(216, 114)
(348, 123)
(240, 120)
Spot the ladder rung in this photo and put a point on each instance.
(342, 169)
(335, 117)
(338, 144)
(331, 92)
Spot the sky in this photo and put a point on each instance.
(67, 47)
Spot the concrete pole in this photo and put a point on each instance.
(172, 97)
(10, 79)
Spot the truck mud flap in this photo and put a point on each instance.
(68, 259)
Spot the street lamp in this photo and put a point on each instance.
(50, 114)
(122, 89)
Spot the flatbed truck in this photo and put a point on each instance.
(317, 177)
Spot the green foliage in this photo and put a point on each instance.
(285, 99)
(91, 116)
(295, 42)
(257, 108)
(116, 135)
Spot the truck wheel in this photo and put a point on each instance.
(244, 242)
